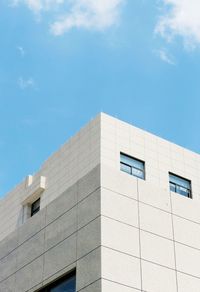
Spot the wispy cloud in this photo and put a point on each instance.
(86, 14)
(26, 83)
(89, 14)
(165, 56)
(180, 18)
(67, 14)
(21, 50)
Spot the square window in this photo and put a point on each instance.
(180, 185)
(132, 166)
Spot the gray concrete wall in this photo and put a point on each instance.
(55, 240)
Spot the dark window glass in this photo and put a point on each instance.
(132, 166)
(35, 207)
(180, 185)
(65, 284)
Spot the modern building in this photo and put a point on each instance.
(116, 209)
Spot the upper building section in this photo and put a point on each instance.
(145, 156)
(126, 154)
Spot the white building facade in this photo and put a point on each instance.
(115, 209)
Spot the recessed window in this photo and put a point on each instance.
(180, 185)
(132, 166)
(65, 284)
(35, 207)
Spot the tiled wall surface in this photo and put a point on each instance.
(123, 234)
(150, 236)
(148, 244)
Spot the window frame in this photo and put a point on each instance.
(176, 185)
(60, 280)
(133, 167)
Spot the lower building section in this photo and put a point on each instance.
(59, 239)
(114, 235)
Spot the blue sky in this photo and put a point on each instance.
(64, 61)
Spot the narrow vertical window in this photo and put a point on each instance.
(180, 185)
(132, 166)
(35, 207)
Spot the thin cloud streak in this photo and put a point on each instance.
(165, 56)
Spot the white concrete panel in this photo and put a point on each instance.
(119, 236)
(186, 232)
(157, 249)
(187, 283)
(186, 207)
(155, 221)
(119, 207)
(188, 260)
(157, 278)
(153, 195)
(118, 181)
(120, 268)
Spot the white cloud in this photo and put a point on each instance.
(89, 14)
(68, 14)
(26, 83)
(181, 18)
(165, 56)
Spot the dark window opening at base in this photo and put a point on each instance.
(64, 284)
